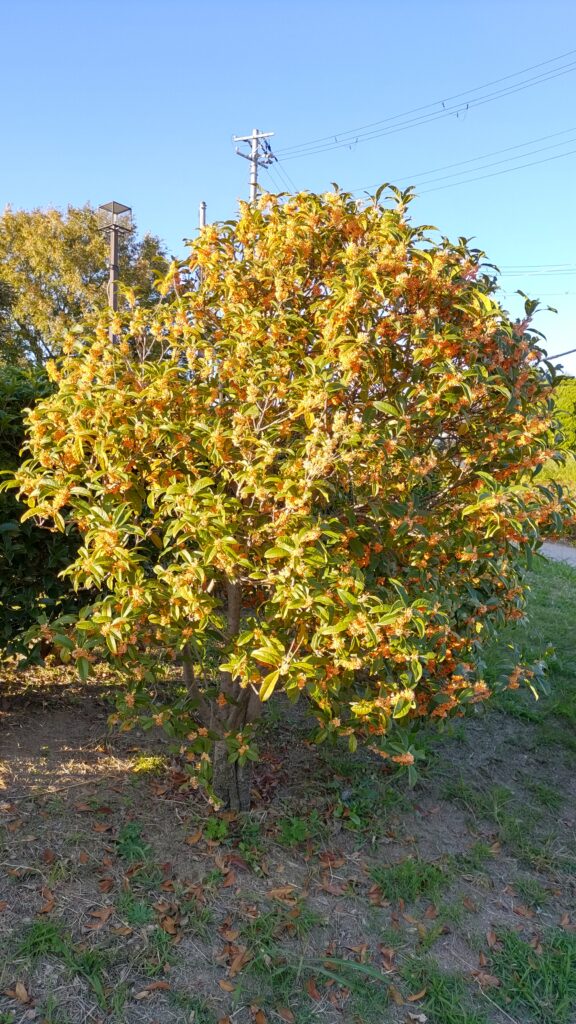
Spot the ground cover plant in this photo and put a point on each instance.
(345, 897)
(308, 472)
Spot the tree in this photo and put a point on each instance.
(54, 273)
(323, 486)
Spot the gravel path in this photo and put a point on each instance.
(560, 553)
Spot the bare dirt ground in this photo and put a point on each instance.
(344, 898)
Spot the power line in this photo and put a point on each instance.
(427, 106)
(560, 354)
(494, 174)
(285, 176)
(460, 108)
(538, 273)
(275, 181)
(474, 159)
(537, 266)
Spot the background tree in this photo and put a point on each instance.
(324, 486)
(53, 273)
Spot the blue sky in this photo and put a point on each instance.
(138, 101)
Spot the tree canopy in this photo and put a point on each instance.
(322, 484)
(53, 273)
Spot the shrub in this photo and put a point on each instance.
(323, 485)
(30, 557)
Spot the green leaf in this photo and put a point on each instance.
(268, 685)
(83, 666)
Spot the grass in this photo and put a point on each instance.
(549, 636)
(410, 880)
(447, 999)
(298, 829)
(540, 983)
(46, 938)
(130, 844)
(264, 931)
(133, 911)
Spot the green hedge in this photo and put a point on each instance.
(30, 557)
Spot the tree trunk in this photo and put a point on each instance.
(231, 782)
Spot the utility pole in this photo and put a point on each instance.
(202, 215)
(260, 155)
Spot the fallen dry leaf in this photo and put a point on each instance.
(332, 887)
(417, 996)
(240, 960)
(285, 893)
(376, 898)
(260, 1017)
(84, 857)
(395, 995)
(523, 911)
(49, 902)
(361, 950)
(154, 986)
(388, 954)
(486, 980)
(103, 913)
(285, 1014)
(102, 916)
(21, 992)
(431, 912)
(3, 905)
(230, 880)
(312, 989)
(194, 838)
(226, 985)
(150, 989)
(331, 860)
(491, 938)
(48, 856)
(238, 861)
(169, 925)
(101, 826)
(106, 884)
(469, 904)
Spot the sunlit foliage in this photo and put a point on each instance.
(322, 483)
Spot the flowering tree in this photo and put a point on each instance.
(322, 484)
